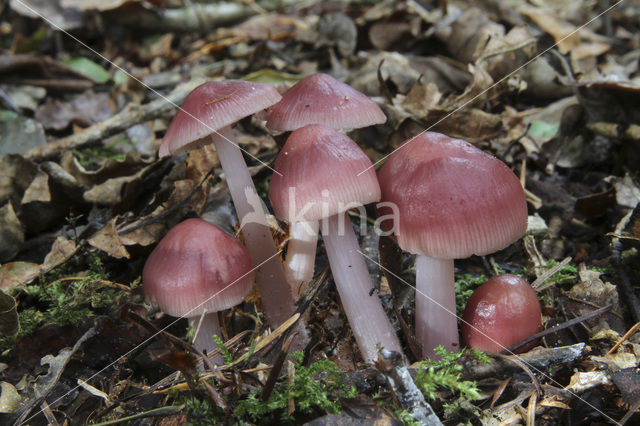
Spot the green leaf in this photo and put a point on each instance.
(120, 77)
(543, 130)
(269, 76)
(88, 68)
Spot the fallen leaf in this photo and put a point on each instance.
(9, 324)
(14, 274)
(89, 69)
(11, 233)
(84, 109)
(38, 190)
(61, 250)
(20, 135)
(107, 240)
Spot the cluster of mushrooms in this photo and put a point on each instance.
(442, 199)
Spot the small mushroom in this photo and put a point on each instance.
(501, 312)
(198, 268)
(450, 200)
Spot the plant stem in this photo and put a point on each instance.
(436, 320)
(301, 254)
(368, 320)
(272, 282)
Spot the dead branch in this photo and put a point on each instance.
(131, 115)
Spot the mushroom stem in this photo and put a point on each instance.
(436, 320)
(204, 337)
(272, 283)
(301, 254)
(368, 320)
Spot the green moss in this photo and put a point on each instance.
(65, 301)
(566, 275)
(446, 374)
(465, 285)
(316, 387)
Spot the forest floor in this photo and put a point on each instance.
(87, 91)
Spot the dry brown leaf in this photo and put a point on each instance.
(422, 98)
(14, 274)
(61, 250)
(85, 109)
(38, 190)
(107, 240)
(564, 33)
(11, 233)
(144, 236)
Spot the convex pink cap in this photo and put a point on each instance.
(501, 312)
(318, 175)
(197, 266)
(321, 99)
(212, 106)
(453, 199)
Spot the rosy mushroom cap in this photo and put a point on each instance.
(319, 175)
(212, 106)
(197, 266)
(501, 312)
(453, 200)
(321, 99)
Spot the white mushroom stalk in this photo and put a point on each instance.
(301, 254)
(436, 301)
(368, 320)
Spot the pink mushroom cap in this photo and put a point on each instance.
(501, 312)
(212, 106)
(321, 99)
(197, 266)
(319, 175)
(453, 200)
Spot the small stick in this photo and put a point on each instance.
(557, 328)
(624, 338)
(275, 371)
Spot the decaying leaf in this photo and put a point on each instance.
(11, 232)
(9, 324)
(107, 240)
(84, 109)
(61, 250)
(14, 274)
(19, 135)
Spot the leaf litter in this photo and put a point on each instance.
(83, 200)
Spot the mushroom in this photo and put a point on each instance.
(206, 116)
(198, 268)
(317, 99)
(500, 313)
(319, 180)
(450, 201)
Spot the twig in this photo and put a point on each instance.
(405, 390)
(162, 411)
(157, 218)
(539, 359)
(275, 371)
(558, 327)
(208, 15)
(624, 285)
(131, 115)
